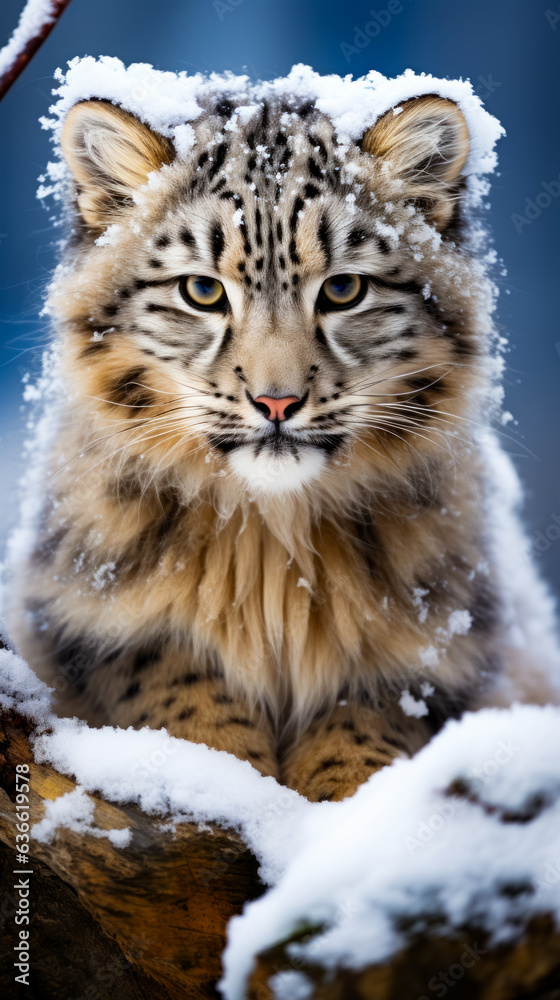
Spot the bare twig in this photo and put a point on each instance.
(29, 42)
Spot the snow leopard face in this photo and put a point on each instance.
(273, 308)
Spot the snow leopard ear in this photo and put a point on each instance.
(110, 153)
(426, 143)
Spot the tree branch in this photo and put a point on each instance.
(26, 40)
(164, 900)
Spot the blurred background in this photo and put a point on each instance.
(510, 49)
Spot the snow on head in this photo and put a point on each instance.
(169, 102)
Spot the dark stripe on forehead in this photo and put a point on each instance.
(217, 243)
(314, 169)
(258, 225)
(219, 160)
(294, 217)
(232, 196)
(320, 146)
(325, 236)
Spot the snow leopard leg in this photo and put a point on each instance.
(341, 749)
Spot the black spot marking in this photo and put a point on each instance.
(217, 242)
(190, 678)
(324, 236)
(222, 699)
(294, 256)
(188, 238)
(131, 692)
(127, 389)
(145, 657)
(372, 762)
(156, 307)
(326, 765)
(311, 191)
(224, 107)
(305, 110)
(237, 720)
(154, 262)
(219, 160)
(294, 217)
(186, 713)
(320, 146)
(405, 354)
(359, 739)
(356, 237)
(314, 169)
(95, 347)
(258, 225)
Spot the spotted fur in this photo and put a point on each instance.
(268, 589)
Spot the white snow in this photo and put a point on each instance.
(404, 846)
(75, 811)
(34, 15)
(171, 777)
(169, 102)
(411, 706)
(407, 843)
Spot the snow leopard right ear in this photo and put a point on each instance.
(425, 144)
(110, 153)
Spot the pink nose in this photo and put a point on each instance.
(275, 409)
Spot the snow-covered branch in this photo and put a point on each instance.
(36, 22)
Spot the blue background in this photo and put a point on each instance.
(508, 48)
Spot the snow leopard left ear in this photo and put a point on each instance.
(110, 154)
(425, 141)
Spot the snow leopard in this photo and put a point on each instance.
(264, 513)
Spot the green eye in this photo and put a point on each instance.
(342, 291)
(203, 292)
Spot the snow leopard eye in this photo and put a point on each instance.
(202, 292)
(342, 291)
